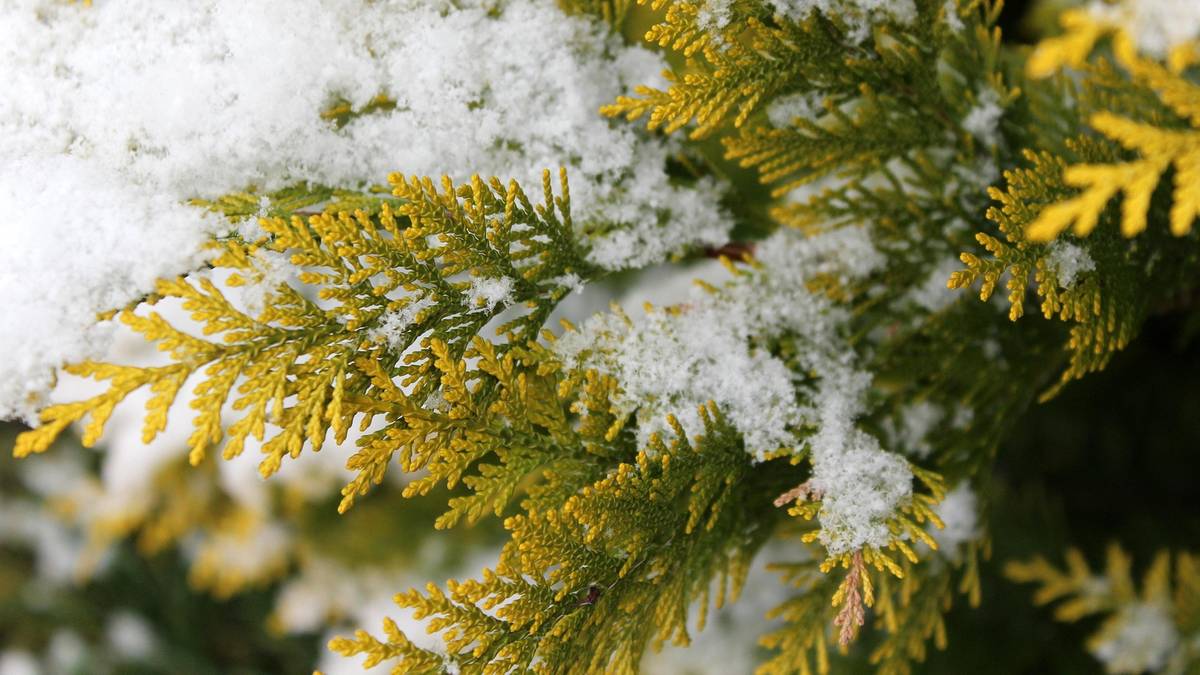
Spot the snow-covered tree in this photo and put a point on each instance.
(386, 230)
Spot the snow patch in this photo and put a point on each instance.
(486, 293)
(713, 348)
(960, 519)
(803, 105)
(115, 114)
(1157, 26)
(1067, 261)
(983, 120)
(1141, 641)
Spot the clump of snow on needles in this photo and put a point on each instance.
(115, 114)
(1067, 261)
(1157, 26)
(983, 119)
(78, 239)
(959, 513)
(487, 293)
(1140, 638)
(713, 348)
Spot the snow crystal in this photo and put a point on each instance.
(1142, 641)
(115, 114)
(858, 15)
(983, 120)
(1067, 261)
(271, 269)
(714, 15)
(391, 327)
(570, 281)
(673, 362)
(486, 293)
(684, 218)
(861, 486)
(960, 520)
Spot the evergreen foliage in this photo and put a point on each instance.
(869, 148)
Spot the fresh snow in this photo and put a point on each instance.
(959, 514)
(673, 361)
(1067, 261)
(115, 114)
(802, 105)
(486, 293)
(1142, 640)
(391, 326)
(1157, 26)
(859, 16)
(79, 239)
(983, 119)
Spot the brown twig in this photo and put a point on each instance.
(734, 250)
(802, 492)
(852, 615)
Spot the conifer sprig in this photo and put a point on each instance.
(386, 282)
(584, 586)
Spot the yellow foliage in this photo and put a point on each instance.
(1081, 32)
(1114, 593)
(1136, 180)
(1158, 148)
(296, 372)
(1104, 319)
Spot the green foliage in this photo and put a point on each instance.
(584, 586)
(1106, 305)
(612, 547)
(310, 367)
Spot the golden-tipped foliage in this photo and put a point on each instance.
(1160, 143)
(908, 605)
(1105, 302)
(906, 525)
(742, 66)
(394, 287)
(614, 547)
(1081, 592)
(872, 102)
(582, 587)
(499, 424)
(395, 647)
